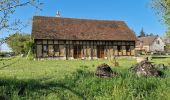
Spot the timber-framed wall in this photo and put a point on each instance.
(82, 49)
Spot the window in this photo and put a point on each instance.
(45, 48)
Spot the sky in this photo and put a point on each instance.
(136, 13)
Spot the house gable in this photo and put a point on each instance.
(157, 45)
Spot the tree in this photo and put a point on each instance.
(142, 33)
(8, 7)
(162, 8)
(167, 48)
(2, 41)
(20, 43)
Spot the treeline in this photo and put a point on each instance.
(143, 34)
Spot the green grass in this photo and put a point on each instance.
(75, 80)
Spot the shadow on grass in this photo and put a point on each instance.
(21, 86)
(160, 57)
(81, 84)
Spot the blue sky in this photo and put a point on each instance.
(136, 13)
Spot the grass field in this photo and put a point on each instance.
(75, 80)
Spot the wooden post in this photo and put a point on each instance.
(124, 50)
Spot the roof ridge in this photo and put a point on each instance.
(79, 18)
(148, 36)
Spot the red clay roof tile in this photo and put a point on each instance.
(80, 29)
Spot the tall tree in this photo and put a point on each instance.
(162, 8)
(142, 33)
(8, 8)
(20, 43)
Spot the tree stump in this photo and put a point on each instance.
(104, 70)
(145, 68)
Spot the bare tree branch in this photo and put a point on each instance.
(163, 5)
(14, 6)
(8, 8)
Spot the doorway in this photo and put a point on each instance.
(77, 52)
(100, 51)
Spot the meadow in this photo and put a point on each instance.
(23, 79)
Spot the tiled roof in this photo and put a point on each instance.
(146, 40)
(80, 29)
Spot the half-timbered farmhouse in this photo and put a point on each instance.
(70, 38)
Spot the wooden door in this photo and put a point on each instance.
(100, 51)
(77, 52)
